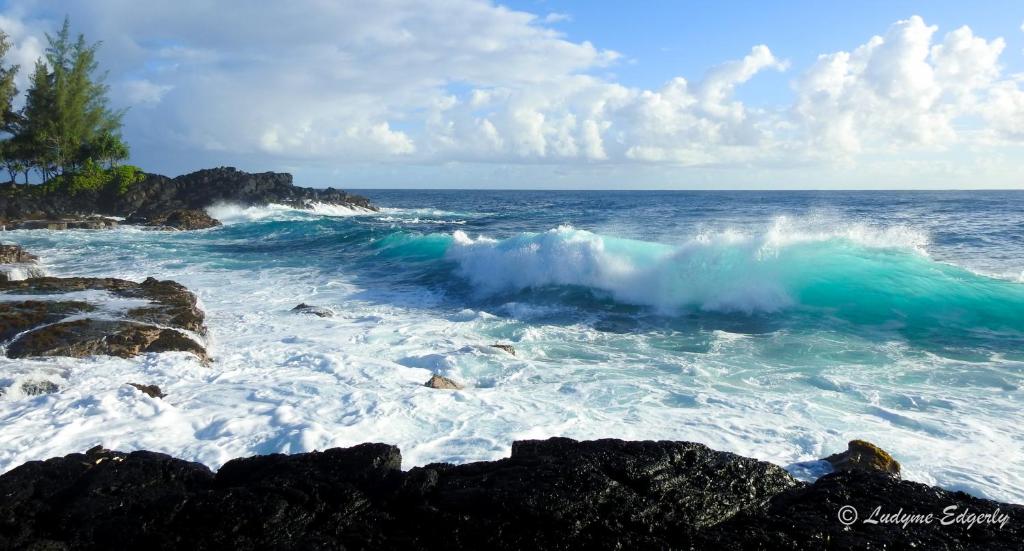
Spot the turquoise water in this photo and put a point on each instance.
(778, 325)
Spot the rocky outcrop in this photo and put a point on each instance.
(152, 391)
(506, 347)
(81, 223)
(318, 311)
(443, 383)
(158, 197)
(97, 337)
(551, 494)
(864, 456)
(158, 194)
(14, 254)
(39, 328)
(36, 388)
(185, 219)
(19, 316)
(17, 263)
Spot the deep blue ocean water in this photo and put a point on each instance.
(774, 324)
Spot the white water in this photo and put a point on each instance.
(288, 383)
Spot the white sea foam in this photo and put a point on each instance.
(229, 213)
(326, 209)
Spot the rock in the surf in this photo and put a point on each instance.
(42, 328)
(861, 455)
(506, 347)
(152, 391)
(180, 219)
(17, 263)
(22, 315)
(15, 254)
(91, 337)
(36, 388)
(318, 311)
(440, 382)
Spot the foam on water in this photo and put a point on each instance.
(852, 332)
(229, 213)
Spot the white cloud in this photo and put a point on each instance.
(406, 81)
(143, 92)
(899, 91)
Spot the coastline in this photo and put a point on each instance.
(745, 523)
(549, 494)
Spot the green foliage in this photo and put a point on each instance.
(123, 177)
(66, 132)
(91, 177)
(7, 88)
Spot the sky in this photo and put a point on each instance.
(554, 94)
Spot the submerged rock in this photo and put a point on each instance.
(35, 388)
(437, 381)
(152, 391)
(551, 494)
(181, 219)
(861, 455)
(318, 311)
(506, 347)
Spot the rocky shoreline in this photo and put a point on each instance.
(161, 202)
(549, 494)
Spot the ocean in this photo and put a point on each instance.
(777, 325)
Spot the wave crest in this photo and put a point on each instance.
(865, 274)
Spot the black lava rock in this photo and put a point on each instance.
(157, 198)
(552, 494)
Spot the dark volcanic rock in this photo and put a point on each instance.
(443, 383)
(185, 219)
(35, 388)
(14, 254)
(99, 499)
(17, 263)
(152, 391)
(864, 456)
(19, 316)
(506, 347)
(159, 196)
(318, 311)
(91, 337)
(808, 518)
(174, 305)
(553, 494)
(39, 328)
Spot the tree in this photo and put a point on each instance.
(35, 137)
(8, 117)
(68, 118)
(66, 125)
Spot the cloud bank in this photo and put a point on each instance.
(471, 83)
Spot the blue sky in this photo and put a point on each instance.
(563, 94)
(666, 37)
